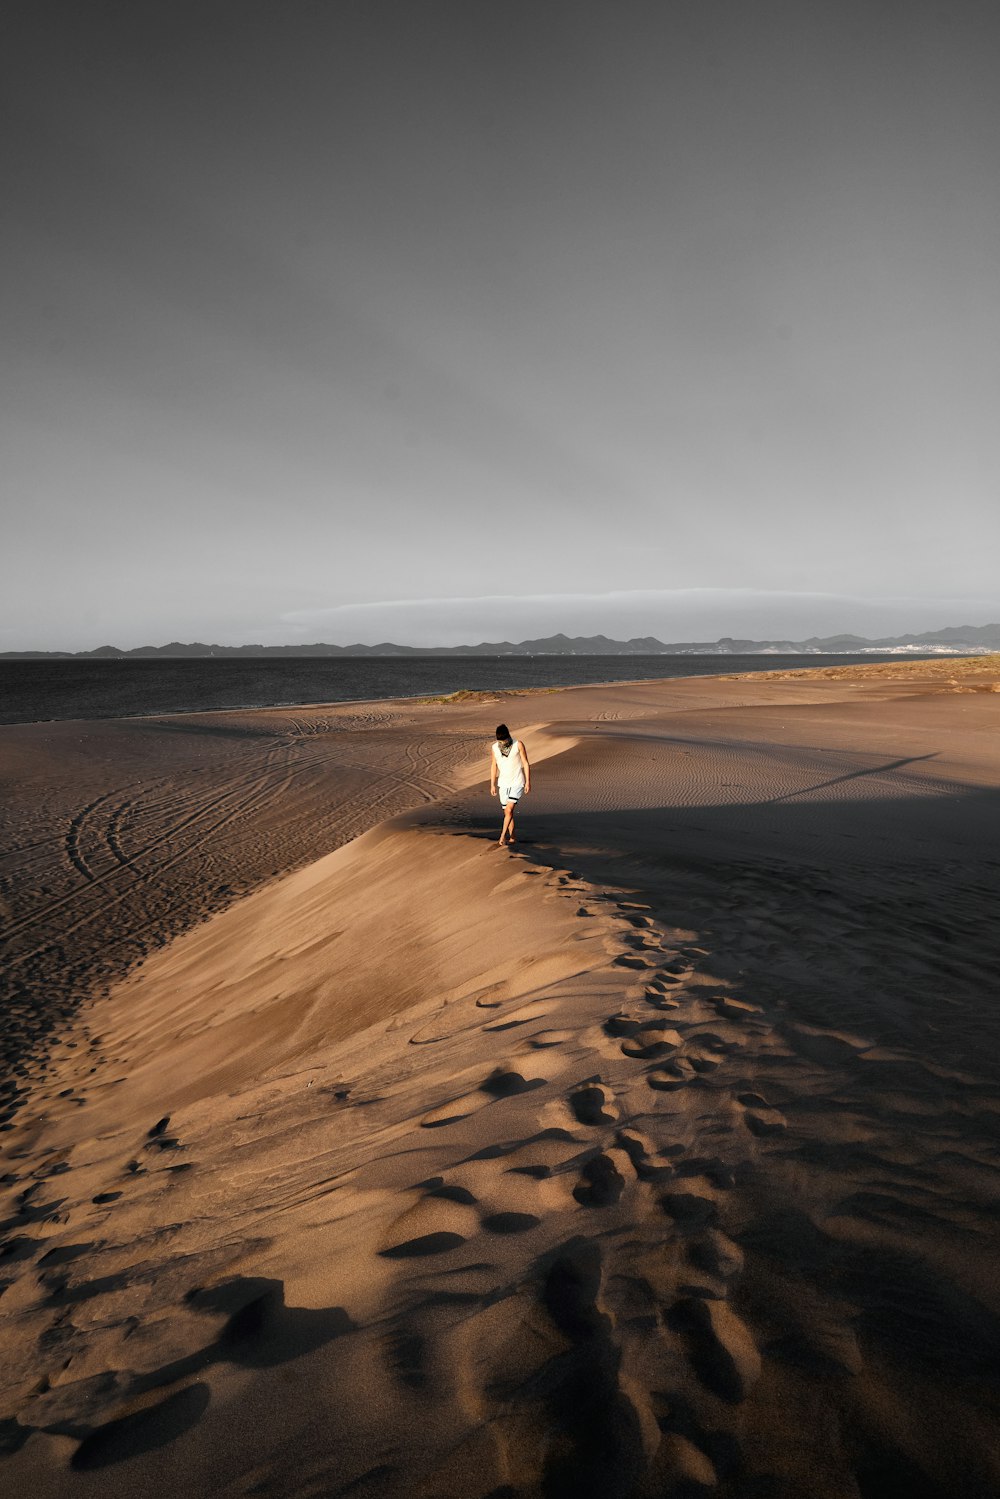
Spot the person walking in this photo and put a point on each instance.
(510, 778)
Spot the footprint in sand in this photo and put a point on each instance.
(440, 1242)
(592, 1104)
(660, 984)
(626, 960)
(536, 1157)
(648, 1161)
(722, 1351)
(438, 1187)
(622, 1024)
(434, 1225)
(715, 1171)
(692, 1209)
(640, 941)
(677, 1073)
(510, 1223)
(760, 1118)
(703, 1061)
(735, 1009)
(164, 1142)
(507, 1083)
(601, 1184)
(655, 1040)
(502, 1083)
(658, 1000)
(722, 1042)
(716, 1254)
(599, 1427)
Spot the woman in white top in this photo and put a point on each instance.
(510, 777)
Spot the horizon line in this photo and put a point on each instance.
(906, 638)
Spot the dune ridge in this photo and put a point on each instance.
(656, 1156)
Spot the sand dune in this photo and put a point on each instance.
(656, 1157)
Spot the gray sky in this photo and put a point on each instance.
(313, 307)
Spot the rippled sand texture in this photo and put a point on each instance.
(657, 1156)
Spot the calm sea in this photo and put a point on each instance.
(33, 691)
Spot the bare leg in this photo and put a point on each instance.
(508, 822)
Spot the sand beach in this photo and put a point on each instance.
(347, 1154)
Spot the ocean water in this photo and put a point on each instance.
(37, 691)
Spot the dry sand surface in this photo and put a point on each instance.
(655, 1156)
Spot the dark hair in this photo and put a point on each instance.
(502, 732)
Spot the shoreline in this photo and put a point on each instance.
(692, 1097)
(504, 691)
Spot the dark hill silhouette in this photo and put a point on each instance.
(956, 638)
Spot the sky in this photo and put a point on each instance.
(440, 321)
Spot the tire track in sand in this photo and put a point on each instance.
(74, 837)
(74, 896)
(250, 795)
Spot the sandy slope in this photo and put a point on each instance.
(658, 1157)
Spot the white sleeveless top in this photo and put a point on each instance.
(510, 767)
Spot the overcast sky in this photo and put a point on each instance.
(315, 307)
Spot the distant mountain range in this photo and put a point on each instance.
(956, 640)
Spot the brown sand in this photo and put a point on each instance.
(657, 1156)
